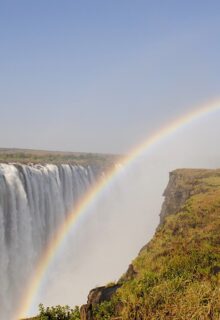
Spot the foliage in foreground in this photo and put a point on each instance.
(58, 313)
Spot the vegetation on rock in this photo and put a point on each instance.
(57, 313)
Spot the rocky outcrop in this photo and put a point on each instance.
(130, 274)
(181, 186)
(97, 296)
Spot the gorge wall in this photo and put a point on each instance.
(182, 184)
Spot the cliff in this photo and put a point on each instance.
(182, 184)
(177, 274)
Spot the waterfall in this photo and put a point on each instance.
(34, 200)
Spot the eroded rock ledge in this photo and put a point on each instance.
(97, 296)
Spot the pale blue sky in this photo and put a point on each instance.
(101, 75)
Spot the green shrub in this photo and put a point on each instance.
(58, 313)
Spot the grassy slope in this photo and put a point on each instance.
(178, 271)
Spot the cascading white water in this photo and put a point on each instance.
(34, 200)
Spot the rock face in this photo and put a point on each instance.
(97, 296)
(181, 186)
(130, 274)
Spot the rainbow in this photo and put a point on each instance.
(86, 202)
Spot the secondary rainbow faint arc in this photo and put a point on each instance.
(73, 217)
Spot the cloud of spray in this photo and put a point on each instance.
(124, 218)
